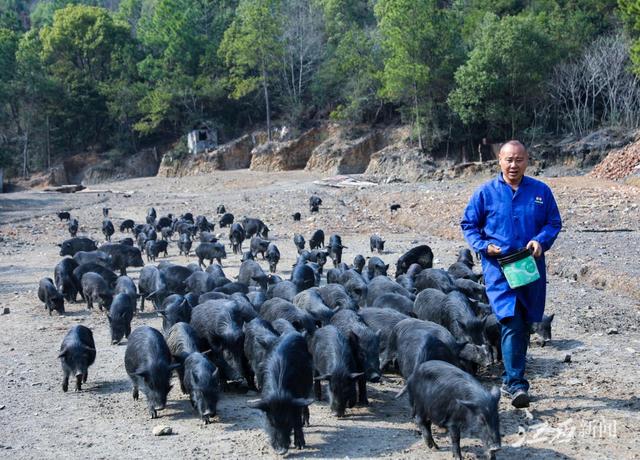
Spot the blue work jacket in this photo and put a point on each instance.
(496, 215)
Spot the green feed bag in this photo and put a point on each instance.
(519, 268)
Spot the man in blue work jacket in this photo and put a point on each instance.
(504, 215)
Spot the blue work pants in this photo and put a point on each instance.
(515, 339)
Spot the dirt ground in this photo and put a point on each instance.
(585, 383)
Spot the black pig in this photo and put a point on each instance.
(147, 361)
(77, 353)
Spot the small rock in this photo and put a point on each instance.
(41, 328)
(162, 430)
(567, 358)
(6, 311)
(2, 407)
(612, 330)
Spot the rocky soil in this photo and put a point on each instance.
(585, 382)
(619, 163)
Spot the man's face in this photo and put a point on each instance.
(513, 162)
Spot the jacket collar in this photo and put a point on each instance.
(524, 181)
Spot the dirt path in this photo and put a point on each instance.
(585, 408)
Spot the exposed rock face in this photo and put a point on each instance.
(233, 155)
(397, 162)
(58, 175)
(401, 163)
(236, 154)
(285, 156)
(343, 156)
(474, 168)
(582, 153)
(76, 165)
(142, 164)
(54, 177)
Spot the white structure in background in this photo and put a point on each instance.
(202, 139)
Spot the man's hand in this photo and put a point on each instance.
(493, 250)
(535, 248)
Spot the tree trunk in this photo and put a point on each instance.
(48, 145)
(415, 102)
(266, 101)
(25, 155)
(513, 122)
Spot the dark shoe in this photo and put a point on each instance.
(520, 399)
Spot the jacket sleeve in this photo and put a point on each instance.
(472, 223)
(552, 225)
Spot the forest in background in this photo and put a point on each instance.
(115, 76)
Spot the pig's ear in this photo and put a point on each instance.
(258, 404)
(551, 316)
